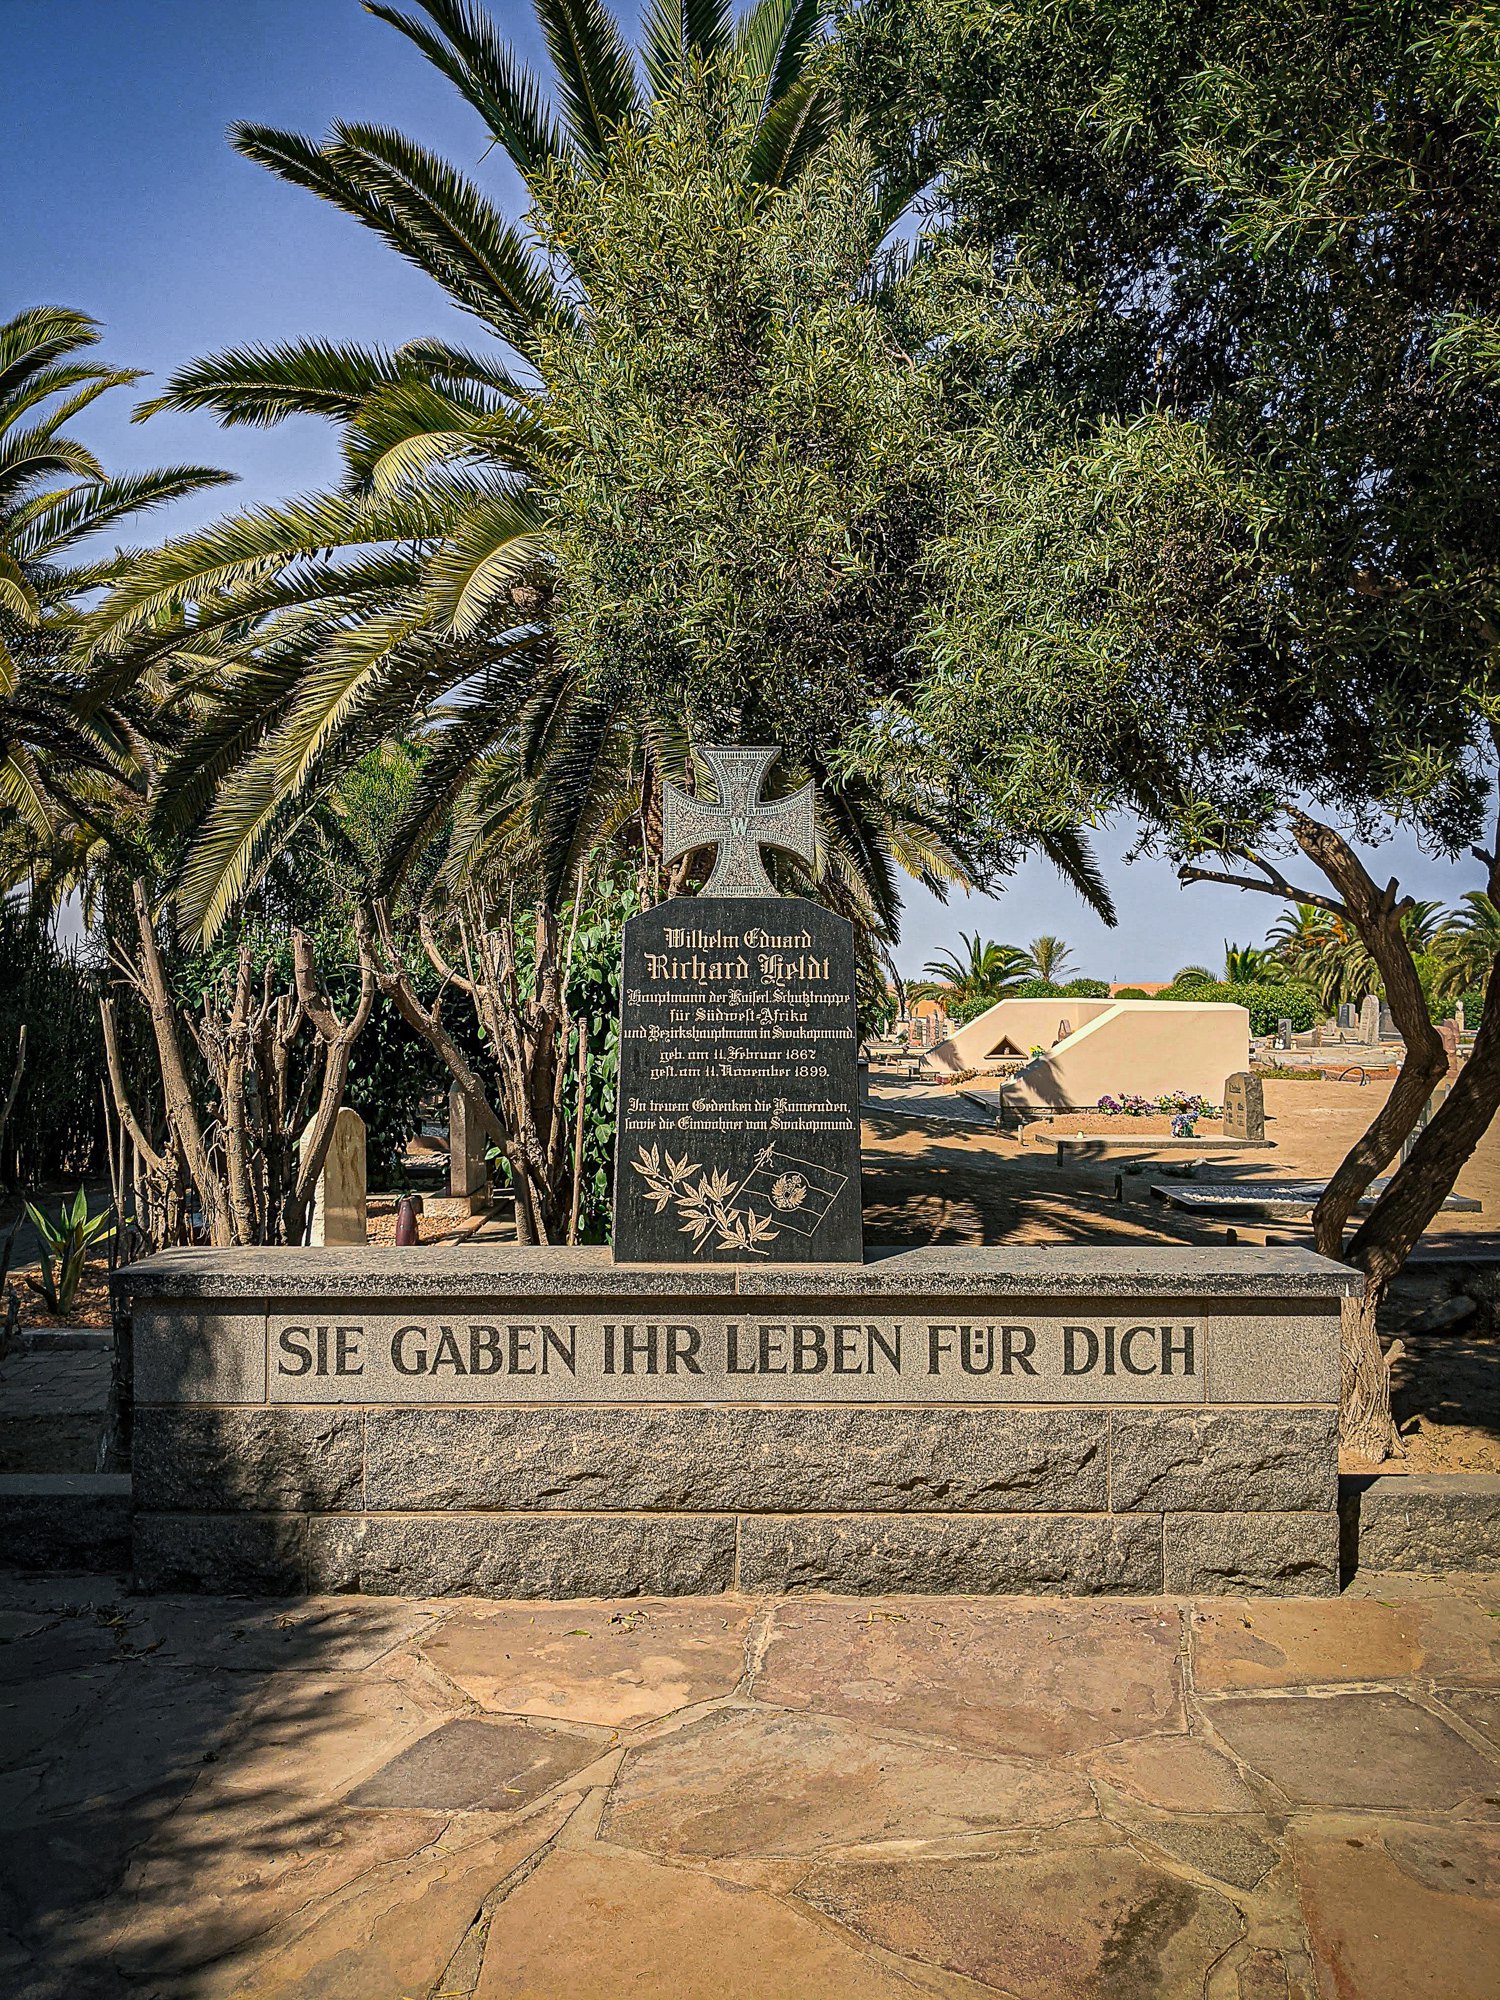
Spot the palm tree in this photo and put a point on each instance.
(56, 746)
(1049, 958)
(1251, 961)
(1467, 944)
(1327, 954)
(420, 590)
(989, 972)
(419, 597)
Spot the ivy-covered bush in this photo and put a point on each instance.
(1085, 989)
(1132, 993)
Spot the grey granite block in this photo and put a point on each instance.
(186, 1354)
(1252, 1555)
(229, 1555)
(280, 1461)
(1223, 1461)
(1437, 1521)
(736, 1460)
(498, 1271)
(1274, 1354)
(65, 1521)
(525, 1555)
(1076, 1554)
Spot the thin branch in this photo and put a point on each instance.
(1277, 885)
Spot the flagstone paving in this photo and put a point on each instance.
(726, 1799)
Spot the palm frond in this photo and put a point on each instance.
(59, 518)
(38, 336)
(595, 71)
(498, 542)
(1071, 855)
(489, 76)
(262, 385)
(775, 40)
(675, 31)
(482, 259)
(796, 124)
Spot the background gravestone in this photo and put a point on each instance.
(471, 1131)
(1348, 1016)
(1369, 1018)
(1244, 1106)
(738, 1106)
(339, 1213)
(1388, 1030)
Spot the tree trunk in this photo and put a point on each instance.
(1422, 1182)
(177, 1093)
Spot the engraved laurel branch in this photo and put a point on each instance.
(703, 1204)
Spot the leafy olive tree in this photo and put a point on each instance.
(1233, 548)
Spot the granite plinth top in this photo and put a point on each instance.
(456, 1271)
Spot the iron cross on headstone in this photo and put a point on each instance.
(740, 824)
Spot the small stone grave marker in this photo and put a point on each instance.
(1244, 1107)
(1424, 1119)
(339, 1204)
(471, 1130)
(1369, 1019)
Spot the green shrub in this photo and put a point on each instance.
(1132, 993)
(1039, 989)
(1269, 1001)
(1085, 989)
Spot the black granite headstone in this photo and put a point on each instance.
(738, 1105)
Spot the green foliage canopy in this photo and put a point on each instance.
(1236, 536)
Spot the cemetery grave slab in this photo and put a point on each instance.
(736, 1396)
(1275, 1201)
(548, 1423)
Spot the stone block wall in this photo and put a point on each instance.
(926, 1478)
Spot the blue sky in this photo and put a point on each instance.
(123, 198)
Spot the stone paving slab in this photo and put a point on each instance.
(736, 1798)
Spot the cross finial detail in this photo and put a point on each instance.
(740, 824)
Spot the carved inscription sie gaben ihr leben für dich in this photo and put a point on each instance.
(630, 1355)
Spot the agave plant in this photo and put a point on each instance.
(63, 1247)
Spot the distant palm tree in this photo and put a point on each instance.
(1251, 961)
(1193, 975)
(1326, 953)
(1050, 958)
(989, 972)
(1467, 945)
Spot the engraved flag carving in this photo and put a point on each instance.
(793, 1193)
